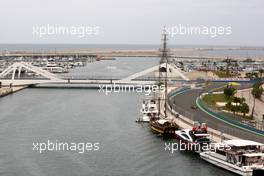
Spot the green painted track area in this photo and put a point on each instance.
(227, 120)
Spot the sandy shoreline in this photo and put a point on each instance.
(188, 53)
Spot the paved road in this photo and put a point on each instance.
(183, 102)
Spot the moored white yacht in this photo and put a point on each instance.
(149, 109)
(242, 157)
(56, 69)
(195, 138)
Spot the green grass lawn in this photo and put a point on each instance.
(211, 99)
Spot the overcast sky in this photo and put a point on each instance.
(133, 21)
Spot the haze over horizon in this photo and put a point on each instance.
(133, 22)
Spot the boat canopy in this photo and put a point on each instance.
(242, 143)
(201, 134)
(253, 154)
(162, 121)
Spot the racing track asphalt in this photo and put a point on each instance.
(182, 103)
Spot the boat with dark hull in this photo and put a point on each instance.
(163, 126)
(160, 123)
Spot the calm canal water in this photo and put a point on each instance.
(84, 115)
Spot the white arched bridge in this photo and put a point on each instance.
(49, 78)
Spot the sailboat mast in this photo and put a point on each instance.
(166, 73)
(164, 59)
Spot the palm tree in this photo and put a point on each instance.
(229, 91)
(244, 108)
(228, 63)
(257, 92)
(261, 71)
(237, 102)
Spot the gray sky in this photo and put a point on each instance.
(133, 21)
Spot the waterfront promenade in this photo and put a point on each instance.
(7, 90)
